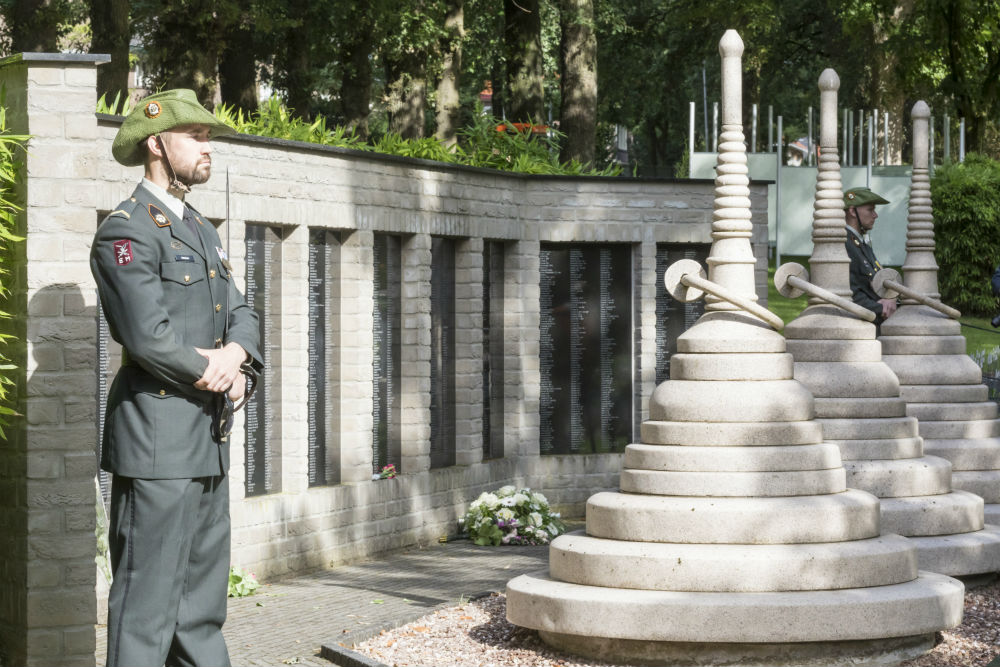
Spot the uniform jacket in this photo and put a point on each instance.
(863, 268)
(163, 291)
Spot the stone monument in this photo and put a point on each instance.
(734, 539)
(858, 397)
(940, 383)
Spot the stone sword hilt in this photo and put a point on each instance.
(887, 285)
(685, 281)
(792, 280)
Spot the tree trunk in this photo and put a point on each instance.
(407, 97)
(34, 26)
(111, 33)
(295, 63)
(523, 45)
(578, 55)
(356, 84)
(447, 91)
(238, 70)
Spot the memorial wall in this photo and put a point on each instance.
(513, 329)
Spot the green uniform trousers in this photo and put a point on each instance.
(170, 560)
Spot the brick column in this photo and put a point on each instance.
(352, 393)
(295, 359)
(646, 313)
(415, 352)
(521, 360)
(47, 465)
(469, 351)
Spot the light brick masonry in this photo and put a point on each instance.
(48, 602)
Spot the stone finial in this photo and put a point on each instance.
(920, 268)
(829, 263)
(731, 261)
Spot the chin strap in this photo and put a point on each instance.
(175, 182)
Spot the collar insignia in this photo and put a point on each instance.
(158, 216)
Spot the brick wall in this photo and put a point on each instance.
(47, 467)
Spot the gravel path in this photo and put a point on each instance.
(477, 634)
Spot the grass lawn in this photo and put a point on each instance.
(980, 345)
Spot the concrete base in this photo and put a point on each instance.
(960, 554)
(991, 513)
(929, 603)
(872, 653)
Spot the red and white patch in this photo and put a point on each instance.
(123, 252)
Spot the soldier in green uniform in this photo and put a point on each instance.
(860, 208)
(166, 288)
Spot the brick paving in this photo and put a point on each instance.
(286, 622)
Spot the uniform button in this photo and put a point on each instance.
(218, 340)
(218, 307)
(163, 392)
(187, 279)
(211, 274)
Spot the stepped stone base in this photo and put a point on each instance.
(991, 513)
(872, 653)
(921, 606)
(961, 554)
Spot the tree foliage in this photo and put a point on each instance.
(966, 200)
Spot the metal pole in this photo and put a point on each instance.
(859, 155)
(704, 101)
(849, 142)
(843, 154)
(809, 139)
(770, 128)
(874, 146)
(885, 139)
(946, 135)
(777, 194)
(961, 140)
(753, 128)
(715, 127)
(871, 134)
(690, 135)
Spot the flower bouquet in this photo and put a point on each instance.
(512, 516)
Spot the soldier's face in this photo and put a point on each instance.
(866, 217)
(190, 152)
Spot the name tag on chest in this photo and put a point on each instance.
(183, 258)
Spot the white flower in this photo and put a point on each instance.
(507, 502)
(505, 514)
(506, 491)
(490, 500)
(520, 498)
(539, 498)
(535, 519)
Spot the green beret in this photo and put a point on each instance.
(862, 196)
(158, 113)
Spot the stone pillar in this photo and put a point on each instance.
(858, 398)
(734, 539)
(940, 383)
(415, 352)
(48, 462)
(469, 351)
(521, 331)
(353, 391)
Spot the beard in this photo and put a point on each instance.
(197, 174)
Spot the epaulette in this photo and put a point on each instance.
(124, 211)
(121, 213)
(856, 241)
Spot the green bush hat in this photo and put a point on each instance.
(158, 113)
(862, 196)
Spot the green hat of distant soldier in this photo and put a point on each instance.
(862, 196)
(159, 113)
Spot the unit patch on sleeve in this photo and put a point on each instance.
(123, 252)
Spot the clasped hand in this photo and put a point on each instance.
(223, 370)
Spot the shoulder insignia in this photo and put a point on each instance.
(123, 252)
(120, 213)
(158, 216)
(131, 199)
